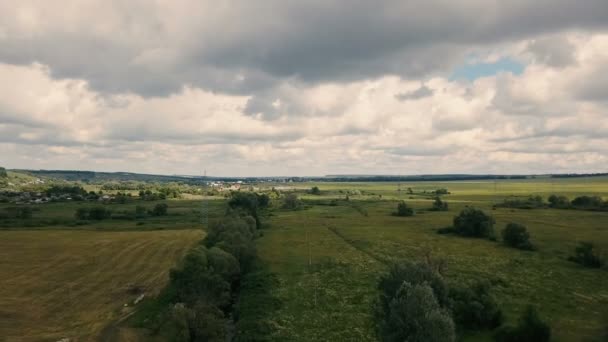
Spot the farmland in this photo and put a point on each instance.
(58, 283)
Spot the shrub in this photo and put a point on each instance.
(439, 205)
(235, 236)
(586, 255)
(474, 307)
(203, 322)
(99, 213)
(560, 202)
(291, 201)
(194, 280)
(517, 236)
(474, 223)
(404, 210)
(140, 211)
(82, 213)
(532, 202)
(414, 314)
(588, 202)
(250, 202)
(442, 192)
(315, 190)
(24, 213)
(3, 173)
(159, 210)
(529, 329)
(413, 273)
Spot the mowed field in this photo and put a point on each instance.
(58, 284)
(327, 258)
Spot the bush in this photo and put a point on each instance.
(291, 201)
(159, 210)
(140, 211)
(415, 274)
(517, 236)
(588, 202)
(532, 202)
(561, 202)
(98, 213)
(24, 213)
(586, 255)
(439, 205)
(474, 307)
(529, 329)
(414, 314)
(3, 173)
(474, 223)
(442, 192)
(82, 213)
(404, 210)
(412, 304)
(194, 280)
(315, 190)
(203, 322)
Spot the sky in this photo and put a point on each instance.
(305, 88)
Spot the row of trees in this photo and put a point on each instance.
(102, 213)
(201, 289)
(416, 304)
(557, 202)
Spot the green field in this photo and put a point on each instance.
(71, 284)
(328, 258)
(61, 277)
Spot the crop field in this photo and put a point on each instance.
(58, 284)
(328, 256)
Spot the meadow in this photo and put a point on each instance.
(328, 256)
(71, 284)
(318, 267)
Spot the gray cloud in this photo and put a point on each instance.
(245, 47)
(554, 51)
(419, 93)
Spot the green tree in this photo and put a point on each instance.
(473, 307)
(530, 328)
(404, 210)
(414, 314)
(559, 202)
(82, 213)
(291, 201)
(473, 222)
(140, 211)
(99, 213)
(315, 190)
(439, 205)
(159, 210)
(517, 236)
(413, 273)
(3, 173)
(586, 255)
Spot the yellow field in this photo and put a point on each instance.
(71, 284)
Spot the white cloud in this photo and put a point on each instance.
(160, 92)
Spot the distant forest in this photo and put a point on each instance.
(97, 177)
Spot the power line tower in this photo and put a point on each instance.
(204, 204)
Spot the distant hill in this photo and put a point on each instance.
(100, 177)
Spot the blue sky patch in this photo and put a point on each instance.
(473, 71)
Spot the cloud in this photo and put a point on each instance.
(282, 88)
(157, 48)
(419, 93)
